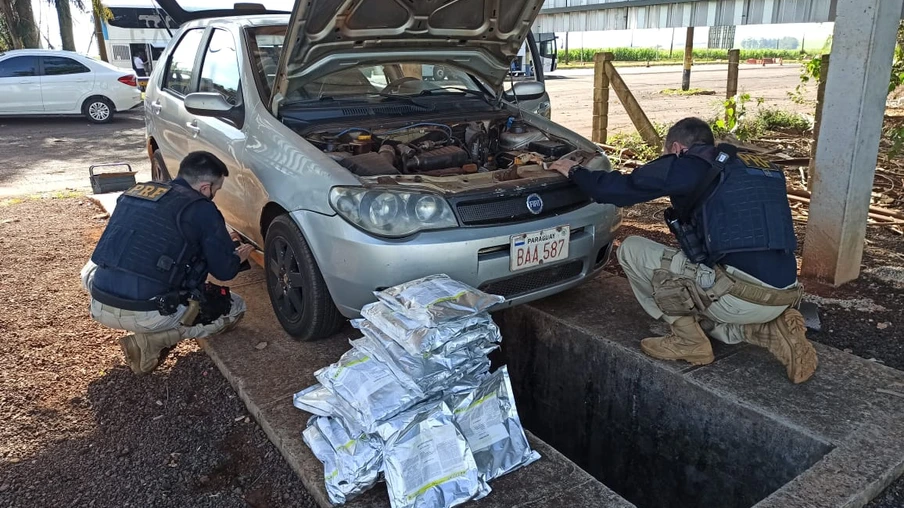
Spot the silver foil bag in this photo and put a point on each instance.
(437, 298)
(351, 470)
(369, 387)
(426, 460)
(444, 338)
(489, 421)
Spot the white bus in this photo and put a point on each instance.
(136, 29)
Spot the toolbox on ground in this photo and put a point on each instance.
(114, 181)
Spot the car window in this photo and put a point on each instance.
(179, 71)
(220, 70)
(19, 67)
(264, 45)
(56, 66)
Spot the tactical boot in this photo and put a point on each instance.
(785, 337)
(145, 351)
(686, 342)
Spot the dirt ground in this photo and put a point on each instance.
(79, 429)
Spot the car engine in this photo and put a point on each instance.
(438, 149)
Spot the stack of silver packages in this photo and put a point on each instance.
(413, 402)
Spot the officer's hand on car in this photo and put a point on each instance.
(562, 166)
(243, 251)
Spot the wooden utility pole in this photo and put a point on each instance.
(600, 97)
(688, 59)
(817, 121)
(99, 11)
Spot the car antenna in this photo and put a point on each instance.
(163, 17)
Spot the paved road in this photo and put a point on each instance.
(571, 92)
(53, 154)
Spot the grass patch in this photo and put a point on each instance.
(61, 194)
(774, 119)
(631, 141)
(691, 91)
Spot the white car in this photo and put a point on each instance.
(46, 82)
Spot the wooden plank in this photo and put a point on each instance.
(635, 112)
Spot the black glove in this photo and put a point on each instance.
(216, 301)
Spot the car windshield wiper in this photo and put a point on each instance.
(454, 90)
(402, 98)
(316, 100)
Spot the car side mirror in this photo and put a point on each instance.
(214, 105)
(525, 91)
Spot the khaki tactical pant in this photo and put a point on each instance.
(153, 321)
(723, 319)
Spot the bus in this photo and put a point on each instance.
(136, 28)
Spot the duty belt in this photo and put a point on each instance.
(755, 293)
(122, 303)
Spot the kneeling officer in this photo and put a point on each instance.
(735, 277)
(147, 274)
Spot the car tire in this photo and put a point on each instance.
(98, 109)
(298, 293)
(159, 173)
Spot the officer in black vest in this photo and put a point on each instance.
(735, 275)
(148, 272)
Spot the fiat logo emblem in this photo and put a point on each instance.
(535, 204)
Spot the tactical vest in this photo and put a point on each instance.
(144, 236)
(747, 210)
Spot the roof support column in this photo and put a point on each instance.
(848, 144)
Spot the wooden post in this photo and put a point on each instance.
(734, 58)
(688, 59)
(817, 121)
(600, 97)
(641, 122)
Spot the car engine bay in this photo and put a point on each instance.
(500, 146)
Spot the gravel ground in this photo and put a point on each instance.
(79, 429)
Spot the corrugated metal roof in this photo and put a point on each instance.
(592, 15)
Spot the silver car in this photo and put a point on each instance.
(353, 173)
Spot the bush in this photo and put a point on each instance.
(633, 142)
(653, 55)
(780, 120)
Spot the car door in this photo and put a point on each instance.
(64, 83)
(219, 73)
(168, 119)
(20, 85)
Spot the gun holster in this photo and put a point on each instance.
(686, 234)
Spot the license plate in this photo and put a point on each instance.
(539, 248)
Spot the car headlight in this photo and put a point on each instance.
(392, 213)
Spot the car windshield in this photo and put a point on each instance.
(393, 79)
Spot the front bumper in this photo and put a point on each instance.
(355, 264)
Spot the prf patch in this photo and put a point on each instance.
(755, 161)
(151, 191)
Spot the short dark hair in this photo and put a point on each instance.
(689, 132)
(199, 167)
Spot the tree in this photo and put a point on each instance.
(100, 13)
(788, 43)
(19, 20)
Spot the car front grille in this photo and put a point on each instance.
(491, 210)
(534, 281)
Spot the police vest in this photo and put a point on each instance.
(747, 210)
(144, 236)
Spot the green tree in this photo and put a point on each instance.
(19, 20)
(64, 16)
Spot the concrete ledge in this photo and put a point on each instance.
(737, 423)
(265, 380)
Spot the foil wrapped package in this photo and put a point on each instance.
(436, 299)
(369, 387)
(428, 370)
(489, 420)
(444, 338)
(426, 460)
(316, 400)
(351, 465)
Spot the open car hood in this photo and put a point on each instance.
(479, 36)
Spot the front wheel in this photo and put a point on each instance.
(298, 293)
(159, 173)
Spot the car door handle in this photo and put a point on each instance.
(25, 82)
(156, 107)
(193, 127)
